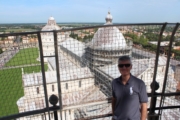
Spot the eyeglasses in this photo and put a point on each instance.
(122, 65)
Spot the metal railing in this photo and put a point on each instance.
(67, 60)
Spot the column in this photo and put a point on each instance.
(72, 114)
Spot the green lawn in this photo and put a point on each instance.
(24, 56)
(11, 88)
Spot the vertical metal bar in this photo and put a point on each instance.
(55, 115)
(45, 115)
(155, 67)
(43, 71)
(167, 64)
(58, 71)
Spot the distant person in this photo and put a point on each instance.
(129, 96)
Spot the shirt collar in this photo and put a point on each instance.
(128, 82)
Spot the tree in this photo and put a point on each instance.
(141, 41)
(75, 36)
(21, 39)
(167, 38)
(177, 43)
(1, 51)
(151, 36)
(131, 35)
(87, 38)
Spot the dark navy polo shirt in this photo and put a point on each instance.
(128, 98)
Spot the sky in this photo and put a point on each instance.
(123, 11)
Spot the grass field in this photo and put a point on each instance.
(24, 57)
(11, 88)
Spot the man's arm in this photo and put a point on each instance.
(143, 111)
(113, 105)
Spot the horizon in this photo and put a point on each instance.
(92, 23)
(59, 23)
(83, 11)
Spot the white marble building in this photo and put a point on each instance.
(77, 85)
(48, 38)
(107, 45)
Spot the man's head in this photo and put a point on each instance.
(124, 65)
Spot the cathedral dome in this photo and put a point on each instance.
(51, 25)
(51, 18)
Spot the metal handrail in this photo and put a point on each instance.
(29, 113)
(81, 28)
(155, 69)
(47, 109)
(167, 63)
(58, 71)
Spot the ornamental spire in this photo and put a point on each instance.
(109, 18)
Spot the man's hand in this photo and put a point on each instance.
(113, 105)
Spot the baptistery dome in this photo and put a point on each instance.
(108, 37)
(107, 45)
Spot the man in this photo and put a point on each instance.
(129, 97)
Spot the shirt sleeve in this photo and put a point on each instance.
(143, 94)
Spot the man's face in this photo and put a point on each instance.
(124, 67)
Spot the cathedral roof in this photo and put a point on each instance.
(139, 66)
(74, 73)
(51, 25)
(75, 46)
(89, 95)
